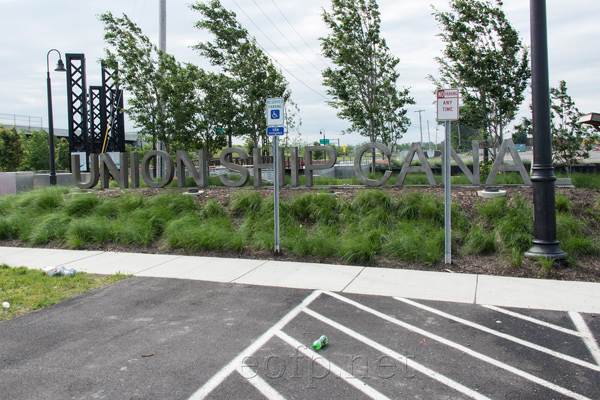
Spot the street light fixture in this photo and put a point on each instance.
(591, 119)
(60, 66)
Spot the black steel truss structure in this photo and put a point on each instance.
(111, 108)
(97, 122)
(96, 135)
(78, 103)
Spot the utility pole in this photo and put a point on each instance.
(428, 137)
(162, 41)
(420, 126)
(162, 46)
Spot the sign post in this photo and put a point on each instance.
(447, 110)
(275, 109)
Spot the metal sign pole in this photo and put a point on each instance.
(447, 197)
(276, 189)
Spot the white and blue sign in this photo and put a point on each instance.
(275, 131)
(275, 111)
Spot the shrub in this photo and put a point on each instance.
(479, 241)
(415, 243)
(563, 203)
(81, 204)
(86, 231)
(50, 227)
(319, 208)
(246, 202)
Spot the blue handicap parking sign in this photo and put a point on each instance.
(275, 131)
(274, 114)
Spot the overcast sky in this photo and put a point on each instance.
(289, 31)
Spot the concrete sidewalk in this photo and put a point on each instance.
(441, 286)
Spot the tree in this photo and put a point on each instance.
(216, 110)
(63, 155)
(522, 130)
(253, 76)
(11, 149)
(485, 58)
(363, 85)
(571, 141)
(390, 137)
(36, 155)
(164, 92)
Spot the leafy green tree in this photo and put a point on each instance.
(253, 77)
(215, 111)
(364, 82)
(63, 155)
(485, 58)
(522, 130)
(36, 155)
(164, 98)
(571, 141)
(390, 137)
(11, 149)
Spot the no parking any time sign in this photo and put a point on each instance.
(447, 105)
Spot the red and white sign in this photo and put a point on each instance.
(447, 105)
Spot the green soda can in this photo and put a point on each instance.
(320, 342)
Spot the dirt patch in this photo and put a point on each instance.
(583, 203)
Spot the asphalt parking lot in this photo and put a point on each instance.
(156, 338)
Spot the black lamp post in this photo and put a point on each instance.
(60, 66)
(544, 245)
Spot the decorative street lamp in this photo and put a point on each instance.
(591, 119)
(544, 245)
(60, 66)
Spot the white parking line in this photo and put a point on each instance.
(398, 357)
(262, 386)
(534, 320)
(586, 335)
(466, 350)
(233, 365)
(331, 367)
(514, 339)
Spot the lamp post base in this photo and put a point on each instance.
(546, 249)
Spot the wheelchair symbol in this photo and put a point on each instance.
(275, 114)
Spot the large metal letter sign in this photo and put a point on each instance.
(447, 110)
(275, 129)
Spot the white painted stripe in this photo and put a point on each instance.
(531, 319)
(262, 386)
(398, 357)
(586, 335)
(464, 349)
(332, 368)
(514, 339)
(220, 376)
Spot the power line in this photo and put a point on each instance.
(273, 43)
(285, 36)
(288, 71)
(274, 59)
(300, 36)
(142, 14)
